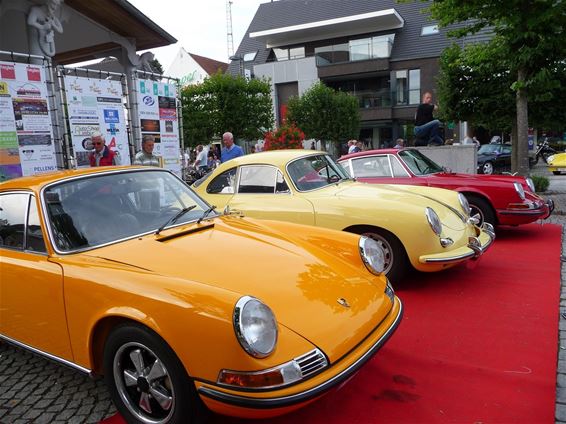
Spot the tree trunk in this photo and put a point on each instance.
(515, 151)
(521, 145)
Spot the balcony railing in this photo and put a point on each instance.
(373, 99)
(353, 51)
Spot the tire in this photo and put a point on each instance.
(556, 172)
(396, 261)
(480, 206)
(487, 168)
(146, 380)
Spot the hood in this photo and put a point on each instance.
(297, 280)
(444, 202)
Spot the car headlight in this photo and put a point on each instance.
(255, 327)
(464, 203)
(372, 255)
(549, 159)
(433, 220)
(530, 183)
(520, 191)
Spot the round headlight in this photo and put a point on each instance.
(433, 220)
(255, 327)
(520, 191)
(530, 183)
(550, 159)
(464, 203)
(372, 255)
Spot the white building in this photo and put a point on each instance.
(191, 68)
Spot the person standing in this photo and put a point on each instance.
(145, 156)
(400, 143)
(230, 150)
(426, 127)
(201, 161)
(352, 146)
(102, 155)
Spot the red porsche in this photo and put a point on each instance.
(497, 199)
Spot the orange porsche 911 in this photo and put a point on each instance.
(127, 273)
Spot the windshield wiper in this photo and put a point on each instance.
(175, 218)
(205, 213)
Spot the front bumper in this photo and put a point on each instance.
(233, 402)
(540, 210)
(475, 248)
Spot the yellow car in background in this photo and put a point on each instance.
(428, 228)
(127, 273)
(557, 163)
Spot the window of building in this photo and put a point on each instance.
(248, 57)
(289, 54)
(401, 87)
(360, 49)
(414, 86)
(429, 30)
(407, 86)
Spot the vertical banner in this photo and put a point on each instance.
(96, 105)
(157, 108)
(26, 136)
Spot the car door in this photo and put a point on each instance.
(262, 192)
(32, 309)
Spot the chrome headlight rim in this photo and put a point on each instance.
(433, 221)
(520, 190)
(550, 159)
(242, 331)
(530, 183)
(465, 204)
(374, 264)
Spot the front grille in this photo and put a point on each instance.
(311, 362)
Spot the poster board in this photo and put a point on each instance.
(27, 146)
(96, 105)
(157, 108)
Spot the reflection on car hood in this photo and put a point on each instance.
(297, 279)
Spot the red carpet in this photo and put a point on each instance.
(476, 345)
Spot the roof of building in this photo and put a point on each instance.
(283, 14)
(211, 66)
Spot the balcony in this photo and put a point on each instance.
(355, 50)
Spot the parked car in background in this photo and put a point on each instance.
(557, 163)
(497, 199)
(494, 158)
(427, 228)
(115, 272)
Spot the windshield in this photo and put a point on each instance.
(316, 171)
(418, 163)
(489, 148)
(100, 209)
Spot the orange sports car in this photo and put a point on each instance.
(127, 273)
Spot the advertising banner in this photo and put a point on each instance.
(95, 105)
(157, 108)
(26, 137)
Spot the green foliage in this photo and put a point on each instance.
(541, 183)
(226, 103)
(325, 114)
(156, 66)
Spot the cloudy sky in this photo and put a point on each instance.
(199, 26)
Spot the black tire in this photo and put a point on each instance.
(487, 168)
(396, 261)
(131, 348)
(480, 206)
(556, 172)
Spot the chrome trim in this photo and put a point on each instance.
(489, 229)
(45, 354)
(450, 259)
(446, 242)
(361, 244)
(239, 331)
(282, 401)
(475, 245)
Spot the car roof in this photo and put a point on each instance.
(36, 182)
(371, 152)
(273, 157)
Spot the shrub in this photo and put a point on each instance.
(285, 137)
(541, 183)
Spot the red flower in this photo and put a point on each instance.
(285, 137)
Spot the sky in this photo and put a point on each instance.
(199, 26)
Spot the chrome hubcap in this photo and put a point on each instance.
(143, 383)
(387, 250)
(488, 168)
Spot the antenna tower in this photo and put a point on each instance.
(229, 34)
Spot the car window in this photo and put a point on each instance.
(13, 208)
(506, 150)
(398, 170)
(257, 179)
(223, 183)
(418, 163)
(315, 171)
(34, 235)
(372, 166)
(281, 185)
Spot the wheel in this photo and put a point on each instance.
(481, 208)
(396, 261)
(146, 380)
(487, 168)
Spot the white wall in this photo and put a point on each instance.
(186, 69)
(459, 158)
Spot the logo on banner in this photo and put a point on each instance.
(7, 72)
(148, 100)
(3, 88)
(113, 90)
(76, 87)
(28, 90)
(111, 116)
(155, 89)
(28, 154)
(34, 74)
(166, 88)
(112, 130)
(95, 88)
(167, 114)
(142, 86)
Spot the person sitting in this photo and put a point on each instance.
(426, 127)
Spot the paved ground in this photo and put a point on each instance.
(36, 390)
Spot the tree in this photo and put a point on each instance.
(226, 103)
(156, 66)
(325, 114)
(532, 31)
